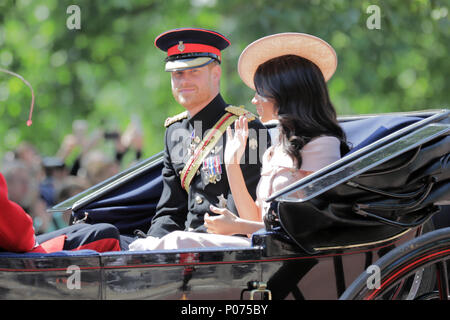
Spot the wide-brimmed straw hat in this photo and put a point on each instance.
(301, 44)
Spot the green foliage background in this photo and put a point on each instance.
(110, 69)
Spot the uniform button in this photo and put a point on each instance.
(198, 199)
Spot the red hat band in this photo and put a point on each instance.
(181, 48)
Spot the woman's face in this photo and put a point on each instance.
(265, 107)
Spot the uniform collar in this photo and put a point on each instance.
(210, 114)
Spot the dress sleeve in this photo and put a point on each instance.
(316, 154)
(16, 226)
(320, 152)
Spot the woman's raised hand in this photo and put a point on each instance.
(236, 143)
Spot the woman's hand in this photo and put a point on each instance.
(236, 144)
(225, 223)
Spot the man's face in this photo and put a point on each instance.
(195, 88)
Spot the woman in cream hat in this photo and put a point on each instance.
(288, 71)
(304, 45)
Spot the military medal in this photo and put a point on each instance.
(222, 201)
(217, 168)
(195, 140)
(212, 170)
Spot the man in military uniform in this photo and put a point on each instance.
(194, 174)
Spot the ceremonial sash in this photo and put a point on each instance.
(204, 148)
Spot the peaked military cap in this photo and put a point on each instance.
(189, 48)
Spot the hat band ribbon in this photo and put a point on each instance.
(192, 47)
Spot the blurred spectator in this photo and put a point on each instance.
(98, 167)
(38, 183)
(132, 138)
(27, 153)
(55, 173)
(20, 183)
(71, 186)
(78, 144)
(23, 189)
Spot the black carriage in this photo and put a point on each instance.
(369, 226)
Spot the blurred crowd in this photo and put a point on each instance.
(38, 182)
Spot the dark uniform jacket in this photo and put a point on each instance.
(179, 209)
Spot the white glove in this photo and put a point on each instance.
(142, 244)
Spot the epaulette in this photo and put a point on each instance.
(240, 111)
(175, 118)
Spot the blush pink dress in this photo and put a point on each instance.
(278, 171)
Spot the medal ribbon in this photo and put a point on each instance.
(204, 148)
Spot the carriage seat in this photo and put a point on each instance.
(397, 190)
(361, 133)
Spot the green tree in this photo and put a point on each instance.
(109, 69)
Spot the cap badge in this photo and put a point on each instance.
(181, 46)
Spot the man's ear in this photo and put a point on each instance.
(216, 72)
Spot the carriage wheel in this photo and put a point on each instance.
(400, 269)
